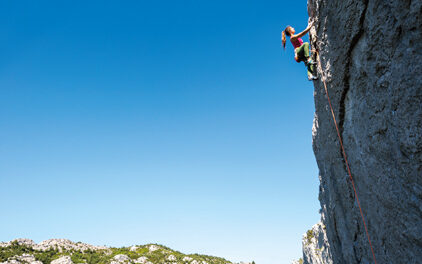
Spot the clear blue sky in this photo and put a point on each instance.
(175, 122)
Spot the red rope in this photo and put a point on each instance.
(345, 159)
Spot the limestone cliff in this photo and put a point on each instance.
(371, 55)
(316, 248)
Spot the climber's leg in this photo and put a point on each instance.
(311, 66)
(310, 69)
(304, 55)
(308, 55)
(303, 52)
(306, 50)
(311, 72)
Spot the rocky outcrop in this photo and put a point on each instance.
(63, 260)
(141, 260)
(59, 244)
(371, 54)
(153, 248)
(121, 258)
(23, 259)
(316, 248)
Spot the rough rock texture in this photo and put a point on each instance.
(316, 248)
(142, 260)
(153, 248)
(60, 244)
(371, 53)
(121, 258)
(187, 259)
(24, 258)
(62, 260)
(171, 258)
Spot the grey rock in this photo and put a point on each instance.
(60, 244)
(133, 248)
(316, 248)
(152, 248)
(171, 258)
(141, 260)
(187, 259)
(121, 258)
(65, 244)
(22, 259)
(371, 55)
(20, 241)
(27, 258)
(12, 261)
(62, 260)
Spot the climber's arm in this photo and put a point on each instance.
(303, 33)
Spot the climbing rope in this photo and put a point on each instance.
(344, 156)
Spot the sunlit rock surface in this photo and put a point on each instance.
(371, 55)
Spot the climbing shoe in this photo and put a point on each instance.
(312, 77)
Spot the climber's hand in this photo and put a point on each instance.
(303, 33)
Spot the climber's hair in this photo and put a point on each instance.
(285, 32)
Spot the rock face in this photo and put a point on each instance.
(62, 260)
(371, 55)
(121, 258)
(316, 248)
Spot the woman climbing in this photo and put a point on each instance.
(301, 49)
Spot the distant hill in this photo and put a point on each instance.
(63, 251)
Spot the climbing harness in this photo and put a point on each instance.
(344, 155)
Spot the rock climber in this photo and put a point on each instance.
(301, 48)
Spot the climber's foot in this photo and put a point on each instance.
(310, 62)
(312, 77)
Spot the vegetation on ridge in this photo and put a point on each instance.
(309, 236)
(105, 256)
